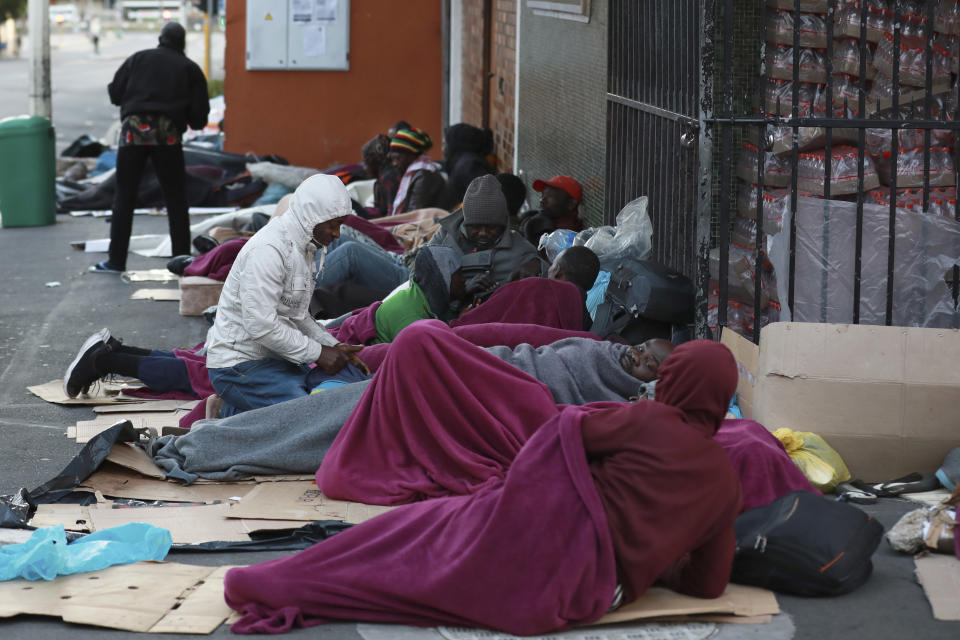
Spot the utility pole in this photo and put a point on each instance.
(38, 16)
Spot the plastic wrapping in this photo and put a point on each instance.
(632, 237)
(776, 171)
(741, 316)
(926, 249)
(846, 57)
(812, 62)
(822, 465)
(942, 201)
(782, 91)
(556, 241)
(910, 167)
(740, 275)
(811, 6)
(747, 204)
(843, 171)
(273, 173)
(812, 29)
(47, 555)
(947, 17)
(913, 60)
(879, 20)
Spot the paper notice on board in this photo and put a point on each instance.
(301, 11)
(314, 40)
(326, 10)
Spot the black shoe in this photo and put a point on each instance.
(105, 267)
(204, 243)
(82, 372)
(177, 264)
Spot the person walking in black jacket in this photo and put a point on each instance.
(160, 92)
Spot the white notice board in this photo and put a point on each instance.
(298, 34)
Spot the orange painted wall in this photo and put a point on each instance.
(322, 118)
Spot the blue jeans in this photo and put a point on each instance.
(258, 383)
(362, 264)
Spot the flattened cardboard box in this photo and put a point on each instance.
(886, 398)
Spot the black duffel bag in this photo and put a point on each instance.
(805, 545)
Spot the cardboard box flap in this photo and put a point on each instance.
(835, 351)
(747, 354)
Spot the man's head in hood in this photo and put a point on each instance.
(172, 35)
(317, 209)
(699, 378)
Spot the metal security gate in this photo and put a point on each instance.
(820, 184)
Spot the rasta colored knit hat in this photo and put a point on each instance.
(484, 203)
(414, 140)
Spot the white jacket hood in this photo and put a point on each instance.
(318, 199)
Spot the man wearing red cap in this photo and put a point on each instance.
(559, 208)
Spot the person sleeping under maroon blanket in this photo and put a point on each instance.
(579, 500)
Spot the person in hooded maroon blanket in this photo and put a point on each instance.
(599, 495)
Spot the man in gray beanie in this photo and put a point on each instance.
(479, 231)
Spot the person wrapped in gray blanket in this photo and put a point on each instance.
(293, 436)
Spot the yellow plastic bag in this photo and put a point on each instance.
(822, 465)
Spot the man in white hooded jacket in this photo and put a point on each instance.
(263, 338)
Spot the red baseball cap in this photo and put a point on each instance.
(564, 183)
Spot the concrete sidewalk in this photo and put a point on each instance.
(41, 328)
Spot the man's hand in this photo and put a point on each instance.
(480, 283)
(350, 351)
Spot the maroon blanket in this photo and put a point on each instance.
(359, 327)
(766, 471)
(531, 554)
(433, 436)
(217, 262)
(377, 232)
(551, 303)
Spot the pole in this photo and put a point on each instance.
(207, 27)
(38, 16)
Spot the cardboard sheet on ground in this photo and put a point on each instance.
(929, 498)
(87, 429)
(149, 275)
(102, 393)
(648, 631)
(157, 597)
(187, 524)
(140, 406)
(119, 482)
(159, 295)
(300, 501)
(939, 574)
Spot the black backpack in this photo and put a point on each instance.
(806, 545)
(644, 300)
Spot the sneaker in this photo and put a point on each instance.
(104, 267)
(82, 372)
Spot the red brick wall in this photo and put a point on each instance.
(503, 87)
(502, 64)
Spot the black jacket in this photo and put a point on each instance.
(162, 80)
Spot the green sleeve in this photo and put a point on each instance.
(402, 308)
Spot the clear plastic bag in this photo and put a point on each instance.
(632, 237)
(781, 91)
(556, 241)
(848, 23)
(913, 60)
(776, 169)
(822, 465)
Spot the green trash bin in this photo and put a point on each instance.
(27, 172)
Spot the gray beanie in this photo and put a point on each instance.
(484, 203)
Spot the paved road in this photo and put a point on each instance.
(79, 78)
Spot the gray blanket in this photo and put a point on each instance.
(290, 437)
(293, 436)
(577, 370)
